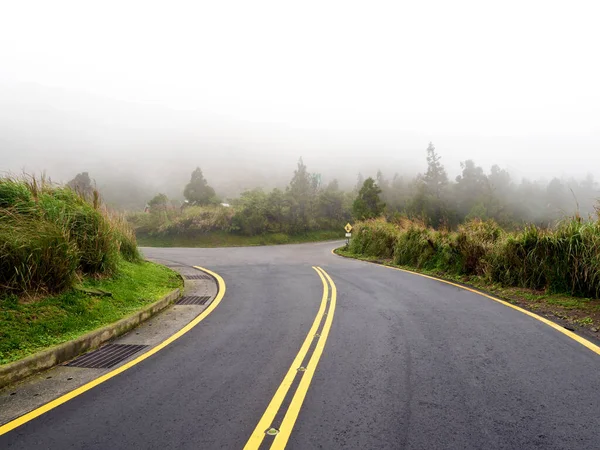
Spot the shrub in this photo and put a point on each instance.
(88, 228)
(418, 247)
(35, 255)
(474, 241)
(49, 233)
(200, 219)
(563, 259)
(15, 194)
(125, 237)
(375, 237)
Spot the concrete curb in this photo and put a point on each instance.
(58, 354)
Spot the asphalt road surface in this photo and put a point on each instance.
(408, 363)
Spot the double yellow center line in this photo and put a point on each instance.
(267, 426)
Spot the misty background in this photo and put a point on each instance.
(140, 93)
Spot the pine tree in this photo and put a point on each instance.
(197, 191)
(301, 192)
(82, 184)
(436, 177)
(368, 204)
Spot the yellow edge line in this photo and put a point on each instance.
(267, 419)
(293, 411)
(591, 346)
(86, 387)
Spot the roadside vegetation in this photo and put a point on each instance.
(56, 244)
(29, 325)
(308, 206)
(551, 270)
(304, 211)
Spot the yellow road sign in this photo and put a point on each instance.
(348, 228)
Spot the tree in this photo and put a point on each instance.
(277, 210)
(330, 206)
(472, 188)
(82, 184)
(250, 217)
(301, 192)
(368, 204)
(158, 204)
(384, 185)
(360, 180)
(430, 202)
(436, 177)
(197, 191)
(501, 191)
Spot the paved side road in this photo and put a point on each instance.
(409, 363)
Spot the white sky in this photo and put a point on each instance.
(513, 82)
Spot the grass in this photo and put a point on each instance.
(226, 239)
(29, 325)
(562, 259)
(50, 236)
(583, 313)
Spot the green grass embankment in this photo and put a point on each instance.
(55, 245)
(29, 326)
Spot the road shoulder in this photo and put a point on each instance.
(580, 334)
(18, 399)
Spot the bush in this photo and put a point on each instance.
(88, 227)
(375, 237)
(200, 219)
(564, 259)
(35, 255)
(474, 242)
(15, 194)
(49, 233)
(425, 248)
(125, 237)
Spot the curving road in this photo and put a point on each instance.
(409, 363)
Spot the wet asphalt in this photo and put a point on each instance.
(410, 363)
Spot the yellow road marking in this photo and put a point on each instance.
(557, 327)
(267, 419)
(293, 411)
(86, 387)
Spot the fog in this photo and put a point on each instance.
(140, 93)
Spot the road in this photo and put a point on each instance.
(409, 363)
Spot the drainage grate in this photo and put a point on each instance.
(198, 277)
(193, 300)
(107, 356)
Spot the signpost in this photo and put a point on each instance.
(348, 229)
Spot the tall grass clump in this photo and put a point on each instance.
(87, 226)
(473, 243)
(49, 234)
(35, 254)
(192, 220)
(375, 237)
(417, 246)
(125, 237)
(563, 259)
(200, 219)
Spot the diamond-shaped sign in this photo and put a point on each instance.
(348, 228)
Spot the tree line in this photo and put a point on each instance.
(307, 204)
(440, 202)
